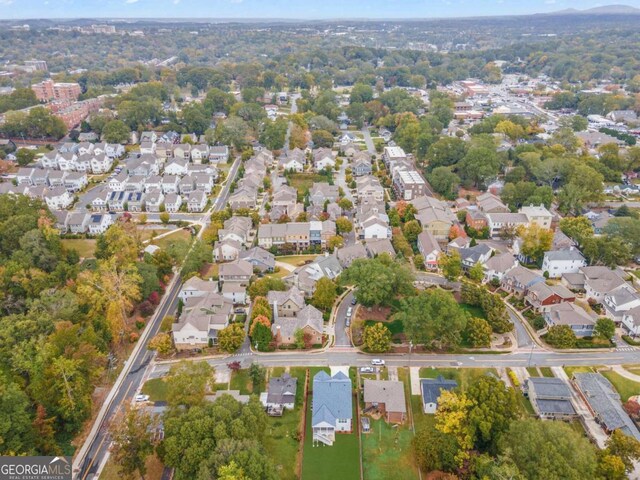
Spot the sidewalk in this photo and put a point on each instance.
(414, 373)
(625, 373)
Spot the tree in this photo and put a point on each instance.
(535, 241)
(577, 228)
(16, 436)
(444, 182)
(544, 450)
(231, 338)
(343, 225)
(452, 419)
(561, 336)
(231, 472)
(378, 280)
(478, 333)
(274, 134)
(335, 241)
(261, 335)
(432, 318)
(476, 272)
(451, 265)
(627, 229)
(322, 139)
(434, 450)
(411, 230)
(447, 151)
(607, 250)
(418, 261)
(115, 131)
(132, 439)
(233, 131)
(376, 338)
(605, 328)
(161, 343)
(611, 467)
(625, 447)
(264, 285)
(187, 383)
(324, 294)
(24, 156)
(479, 164)
(511, 130)
(164, 217)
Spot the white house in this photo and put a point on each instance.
(58, 198)
(429, 249)
(558, 262)
(226, 250)
(631, 321)
(172, 202)
(196, 287)
(176, 167)
(197, 201)
(99, 223)
(375, 228)
(101, 163)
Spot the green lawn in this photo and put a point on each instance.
(386, 452)
(464, 376)
(85, 247)
(571, 370)
(394, 327)
(625, 387)
(304, 181)
(164, 242)
(240, 380)
(156, 388)
(281, 440)
(295, 260)
(337, 462)
(533, 372)
(473, 310)
(546, 372)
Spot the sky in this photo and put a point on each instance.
(292, 9)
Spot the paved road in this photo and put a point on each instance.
(339, 357)
(523, 336)
(342, 339)
(368, 141)
(97, 444)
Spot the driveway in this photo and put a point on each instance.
(341, 337)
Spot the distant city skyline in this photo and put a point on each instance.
(286, 9)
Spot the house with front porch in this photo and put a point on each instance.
(331, 407)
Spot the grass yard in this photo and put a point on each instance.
(180, 234)
(386, 452)
(240, 380)
(304, 181)
(571, 370)
(464, 376)
(211, 271)
(546, 372)
(533, 372)
(635, 369)
(625, 387)
(279, 274)
(473, 310)
(154, 470)
(337, 462)
(85, 247)
(156, 388)
(282, 440)
(394, 327)
(295, 260)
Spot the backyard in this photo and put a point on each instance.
(625, 387)
(296, 260)
(85, 247)
(464, 376)
(304, 181)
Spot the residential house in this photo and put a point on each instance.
(479, 253)
(497, 222)
(435, 216)
(58, 198)
(199, 153)
(387, 397)
(204, 182)
(604, 403)
(99, 223)
(542, 296)
(75, 181)
(144, 165)
(243, 197)
(498, 265)
(551, 398)
(349, 149)
(219, 154)
(346, 255)
(284, 196)
(558, 262)
(153, 200)
(197, 201)
(619, 301)
(409, 184)
(135, 183)
(431, 389)
(572, 315)
(519, 279)
(50, 160)
(323, 158)
(236, 228)
(305, 277)
(117, 183)
(186, 185)
(23, 177)
(331, 407)
(40, 178)
(361, 166)
(170, 184)
(235, 292)
(369, 187)
(321, 192)
(226, 250)
(172, 202)
(176, 167)
(477, 220)
(380, 246)
(99, 203)
(147, 147)
(101, 163)
(280, 394)
(181, 151)
(490, 203)
(261, 260)
(201, 320)
(287, 303)
(631, 322)
(374, 228)
(294, 160)
(537, 215)
(77, 222)
(198, 288)
(239, 271)
(67, 161)
(429, 249)
(135, 201)
(308, 319)
(599, 281)
(393, 154)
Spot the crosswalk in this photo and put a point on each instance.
(628, 348)
(245, 354)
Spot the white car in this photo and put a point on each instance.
(142, 398)
(377, 361)
(349, 311)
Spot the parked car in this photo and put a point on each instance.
(354, 301)
(142, 398)
(367, 370)
(377, 361)
(349, 312)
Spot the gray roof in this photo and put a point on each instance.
(308, 316)
(432, 388)
(346, 255)
(552, 387)
(475, 254)
(501, 262)
(332, 398)
(294, 294)
(389, 392)
(282, 389)
(605, 401)
(257, 255)
(564, 255)
(378, 246)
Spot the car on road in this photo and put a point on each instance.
(142, 398)
(348, 322)
(354, 301)
(349, 312)
(377, 361)
(367, 370)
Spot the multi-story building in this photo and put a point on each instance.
(47, 91)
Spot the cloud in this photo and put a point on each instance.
(5, 3)
(131, 1)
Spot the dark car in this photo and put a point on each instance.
(354, 301)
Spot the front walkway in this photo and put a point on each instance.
(625, 373)
(415, 380)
